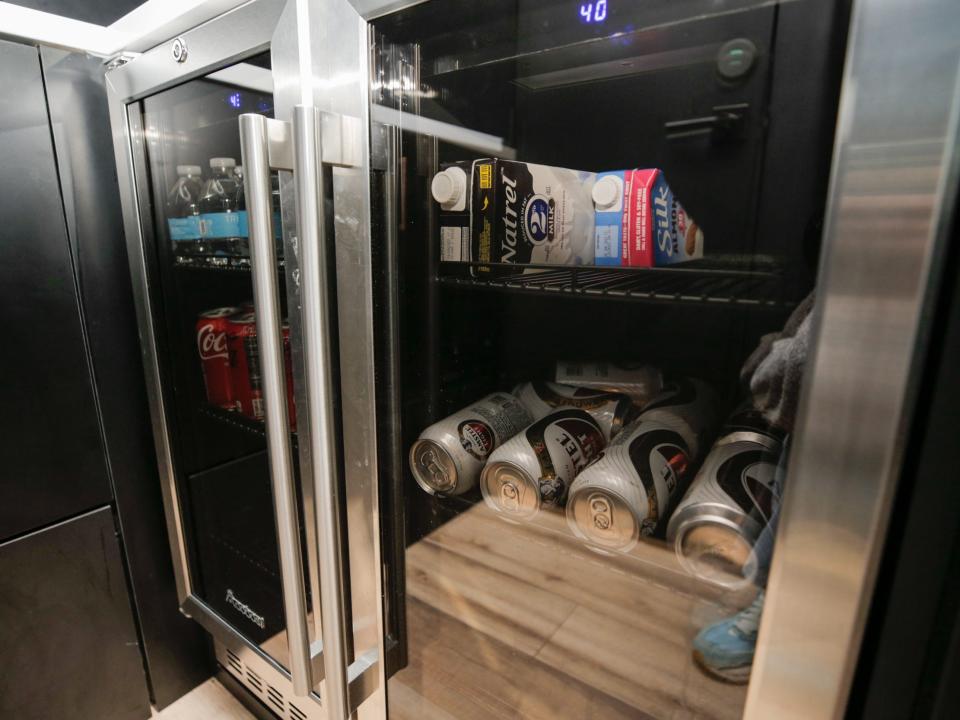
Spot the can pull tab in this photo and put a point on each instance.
(432, 465)
(601, 513)
(510, 497)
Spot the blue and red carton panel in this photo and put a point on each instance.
(643, 225)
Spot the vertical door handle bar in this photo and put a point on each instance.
(263, 261)
(318, 364)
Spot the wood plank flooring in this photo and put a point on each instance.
(209, 701)
(521, 621)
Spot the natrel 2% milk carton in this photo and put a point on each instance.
(514, 213)
(639, 222)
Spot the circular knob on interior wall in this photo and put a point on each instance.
(736, 58)
(180, 50)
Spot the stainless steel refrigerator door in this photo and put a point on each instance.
(892, 194)
(317, 59)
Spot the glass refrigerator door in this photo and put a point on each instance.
(234, 160)
(200, 253)
(597, 234)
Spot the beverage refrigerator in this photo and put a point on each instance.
(537, 358)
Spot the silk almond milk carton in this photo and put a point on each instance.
(639, 222)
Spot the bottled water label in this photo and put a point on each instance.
(224, 224)
(184, 229)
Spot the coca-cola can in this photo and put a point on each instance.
(611, 410)
(245, 365)
(288, 373)
(622, 496)
(730, 501)
(449, 455)
(534, 469)
(211, 329)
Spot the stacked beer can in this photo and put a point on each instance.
(227, 346)
(615, 465)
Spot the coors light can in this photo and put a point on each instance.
(449, 455)
(611, 410)
(623, 495)
(729, 502)
(535, 468)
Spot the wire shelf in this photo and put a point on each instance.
(716, 284)
(238, 421)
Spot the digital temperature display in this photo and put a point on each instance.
(593, 12)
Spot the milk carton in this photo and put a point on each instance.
(639, 222)
(515, 213)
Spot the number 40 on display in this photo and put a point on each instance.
(593, 12)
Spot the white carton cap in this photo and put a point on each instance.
(222, 162)
(188, 169)
(449, 187)
(607, 192)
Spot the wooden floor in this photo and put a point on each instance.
(209, 701)
(521, 621)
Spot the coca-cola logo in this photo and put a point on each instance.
(210, 343)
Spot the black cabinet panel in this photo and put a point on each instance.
(175, 647)
(69, 645)
(51, 452)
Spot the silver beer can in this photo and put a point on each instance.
(623, 495)
(449, 455)
(730, 501)
(611, 410)
(535, 468)
(688, 406)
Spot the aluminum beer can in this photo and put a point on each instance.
(729, 502)
(449, 455)
(611, 410)
(215, 356)
(245, 365)
(623, 495)
(688, 406)
(535, 468)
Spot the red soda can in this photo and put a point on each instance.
(215, 356)
(245, 365)
(288, 368)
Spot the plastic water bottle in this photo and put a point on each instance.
(183, 215)
(219, 217)
(241, 248)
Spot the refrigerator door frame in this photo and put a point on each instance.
(889, 210)
(310, 53)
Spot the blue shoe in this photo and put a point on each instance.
(725, 649)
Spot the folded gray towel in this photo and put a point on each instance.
(774, 371)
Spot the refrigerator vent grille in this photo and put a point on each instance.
(267, 685)
(276, 697)
(254, 680)
(234, 662)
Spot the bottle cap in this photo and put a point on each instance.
(222, 162)
(607, 192)
(188, 169)
(448, 187)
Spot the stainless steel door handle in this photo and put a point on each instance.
(255, 144)
(318, 363)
